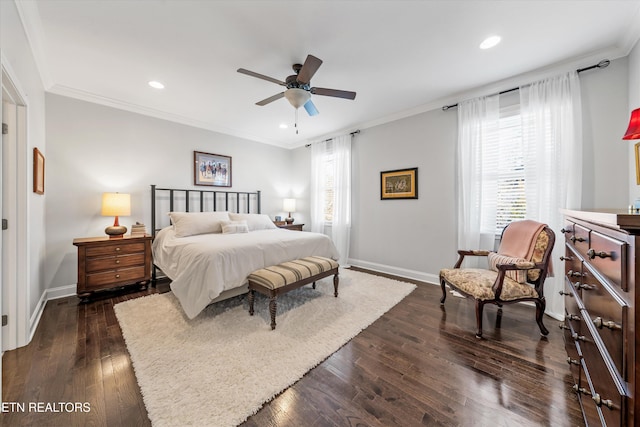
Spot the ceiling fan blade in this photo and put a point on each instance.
(333, 92)
(271, 99)
(261, 76)
(311, 65)
(311, 109)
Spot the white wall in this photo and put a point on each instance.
(92, 149)
(634, 102)
(16, 51)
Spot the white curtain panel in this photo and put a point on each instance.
(332, 157)
(477, 118)
(552, 134)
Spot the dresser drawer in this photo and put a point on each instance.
(572, 306)
(574, 355)
(607, 391)
(113, 262)
(609, 257)
(116, 277)
(115, 249)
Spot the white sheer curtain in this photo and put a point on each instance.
(478, 119)
(332, 159)
(552, 134)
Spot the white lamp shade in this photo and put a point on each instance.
(289, 205)
(116, 204)
(297, 97)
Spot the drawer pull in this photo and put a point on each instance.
(563, 326)
(117, 261)
(602, 402)
(573, 317)
(577, 337)
(118, 249)
(585, 287)
(609, 324)
(565, 231)
(117, 276)
(566, 258)
(571, 361)
(577, 239)
(565, 293)
(581, 390)
(602, 254)
(572, 273)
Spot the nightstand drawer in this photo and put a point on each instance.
(118, 249)
(116, 277)
(111, 263)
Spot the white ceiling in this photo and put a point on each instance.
(399, 56)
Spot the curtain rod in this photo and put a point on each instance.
(327, 140)
(602, 64)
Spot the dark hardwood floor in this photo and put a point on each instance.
(419, 364)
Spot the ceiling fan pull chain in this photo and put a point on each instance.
(296, 122)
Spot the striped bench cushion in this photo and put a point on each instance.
(290, 272)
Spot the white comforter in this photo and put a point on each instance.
(202, 267)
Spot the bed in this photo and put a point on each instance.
(207, 242)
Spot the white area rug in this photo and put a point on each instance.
(221, 367)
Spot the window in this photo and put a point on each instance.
(503, 172)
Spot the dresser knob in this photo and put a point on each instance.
(602, 254)
(117, 276)
(563, 326)
(117, 261)
(565, 293)
(572, 273)
(577, 239)
(577, 337)
(571, 361)
(608, 324)
(602, 402)
(585, 287)
(118, 249)
(566, 258)
(565, 231)
(573, 317)
(581, 390)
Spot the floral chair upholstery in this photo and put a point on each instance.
(508, 280)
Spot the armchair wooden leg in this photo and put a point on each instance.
(479, 308)
(444, 292)
(540, 306)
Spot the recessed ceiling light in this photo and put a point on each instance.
(283, 126)
(490, 42)
(156, 84)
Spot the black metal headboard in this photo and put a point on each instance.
(165, 200)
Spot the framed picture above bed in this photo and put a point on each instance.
(211, 169)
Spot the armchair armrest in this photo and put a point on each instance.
(462, 253)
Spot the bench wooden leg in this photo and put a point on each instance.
(272, 310)
(313, 286)
(335, 285)
(252, 295)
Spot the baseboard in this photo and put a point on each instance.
(48, 295)
(396, 271)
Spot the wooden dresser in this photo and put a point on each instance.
(105, 263)
(600, 325)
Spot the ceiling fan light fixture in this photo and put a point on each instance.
(297, 97)
(490, 42)
(156, 84)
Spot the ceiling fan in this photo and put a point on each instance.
(298, 85)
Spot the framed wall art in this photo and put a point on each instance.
(399, 184)
(211, 169)
(38, 171)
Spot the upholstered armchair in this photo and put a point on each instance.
(515, 273)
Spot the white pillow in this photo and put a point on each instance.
(233, 227)
(254, 221)
(191, 223)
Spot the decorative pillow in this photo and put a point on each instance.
(495, 259)
(254, 221)
(192, 223)
(233, 227)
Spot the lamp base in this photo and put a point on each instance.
(288, 220)
(115, 231)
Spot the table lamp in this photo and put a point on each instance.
(289, 205)
(116, 204)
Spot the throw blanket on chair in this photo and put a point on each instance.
(519, 240)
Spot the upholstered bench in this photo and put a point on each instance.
(278, 279)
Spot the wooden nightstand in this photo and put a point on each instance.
(295, 227)
(105, 263)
